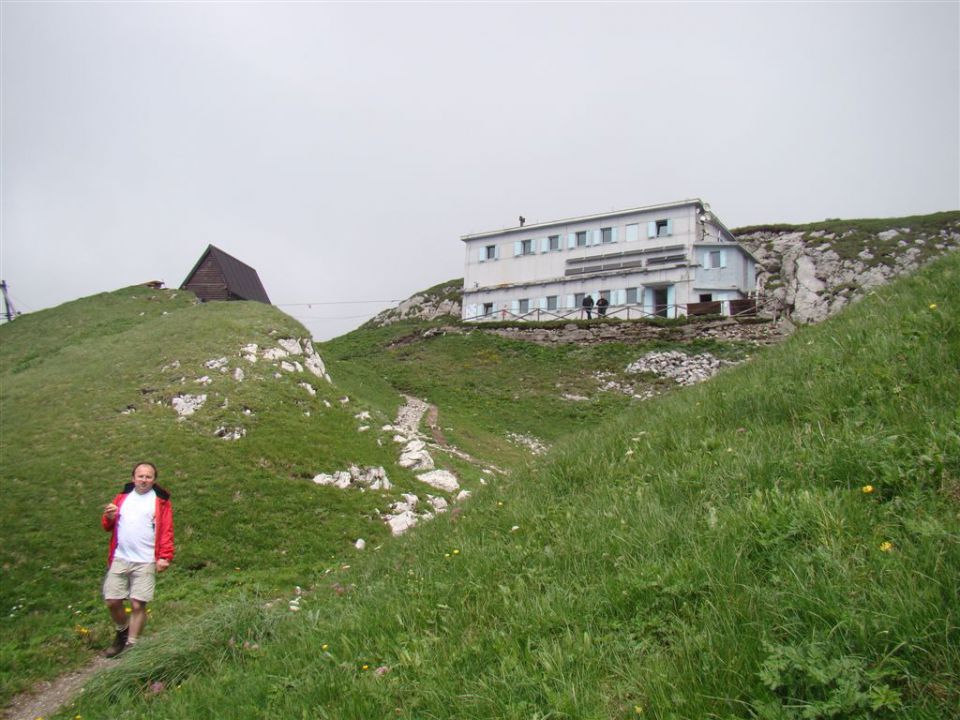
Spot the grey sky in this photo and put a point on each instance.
(343, 149)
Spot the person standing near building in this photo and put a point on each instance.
(588, 306)
(140, 520)
(602, 303)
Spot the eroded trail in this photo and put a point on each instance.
(49, 696)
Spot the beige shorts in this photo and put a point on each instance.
(132, 580)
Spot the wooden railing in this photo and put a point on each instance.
(745, 307)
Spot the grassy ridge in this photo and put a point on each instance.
(782, 542)
(244, 511)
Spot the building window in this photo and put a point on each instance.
(551, 302)
(582, 238)
(606, 235)
(523, 305)
(633, 232)
(491, 252)
(487, 309)
(526, 247)
(554, 242)
(663, 228)
(706, 297)
(578, 299)
(633, 296)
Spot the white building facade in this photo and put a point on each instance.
(659, 261)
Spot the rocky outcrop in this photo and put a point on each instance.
(680, 367)
(440, 301)
(809, 273)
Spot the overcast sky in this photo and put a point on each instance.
(343, 149)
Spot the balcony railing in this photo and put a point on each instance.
(744, 307)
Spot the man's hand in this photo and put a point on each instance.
(162, 564)
(110, 511)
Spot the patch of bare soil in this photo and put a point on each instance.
(432, 415)
(49, 696)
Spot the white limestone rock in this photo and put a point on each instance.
(291, 345)
(441, 480)
(415, 456)
(438, 504)
(401, 522)
(186, 405)
(230, 433)
(369, 478)
(315, 365)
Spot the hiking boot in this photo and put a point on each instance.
(119, 644)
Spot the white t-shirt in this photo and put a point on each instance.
(136, 528)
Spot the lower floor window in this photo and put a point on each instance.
(551, 302)
(523, 305)
(488, 308)
(632, 296)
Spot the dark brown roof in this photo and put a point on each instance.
(241, 279)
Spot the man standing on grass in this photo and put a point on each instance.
(140, 519)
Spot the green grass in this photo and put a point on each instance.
(486, 385)
(245, 512)
(709, 554)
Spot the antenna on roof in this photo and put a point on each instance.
(522, 220)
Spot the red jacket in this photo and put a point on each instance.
(163, 523)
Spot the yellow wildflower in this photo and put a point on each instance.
(365, 667)
(886, 546)
(933, 306)
(127, 610)
(867, 489)
(324, 647)
(456, 552)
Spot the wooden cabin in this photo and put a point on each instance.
(219, 276)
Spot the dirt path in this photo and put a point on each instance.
(432, 415)
(50, 695)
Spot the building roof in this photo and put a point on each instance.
(241, 279)
(584, 218)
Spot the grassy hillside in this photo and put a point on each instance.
(489, 387)
(87, 391)
(782, 542)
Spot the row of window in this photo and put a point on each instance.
(579, 239)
